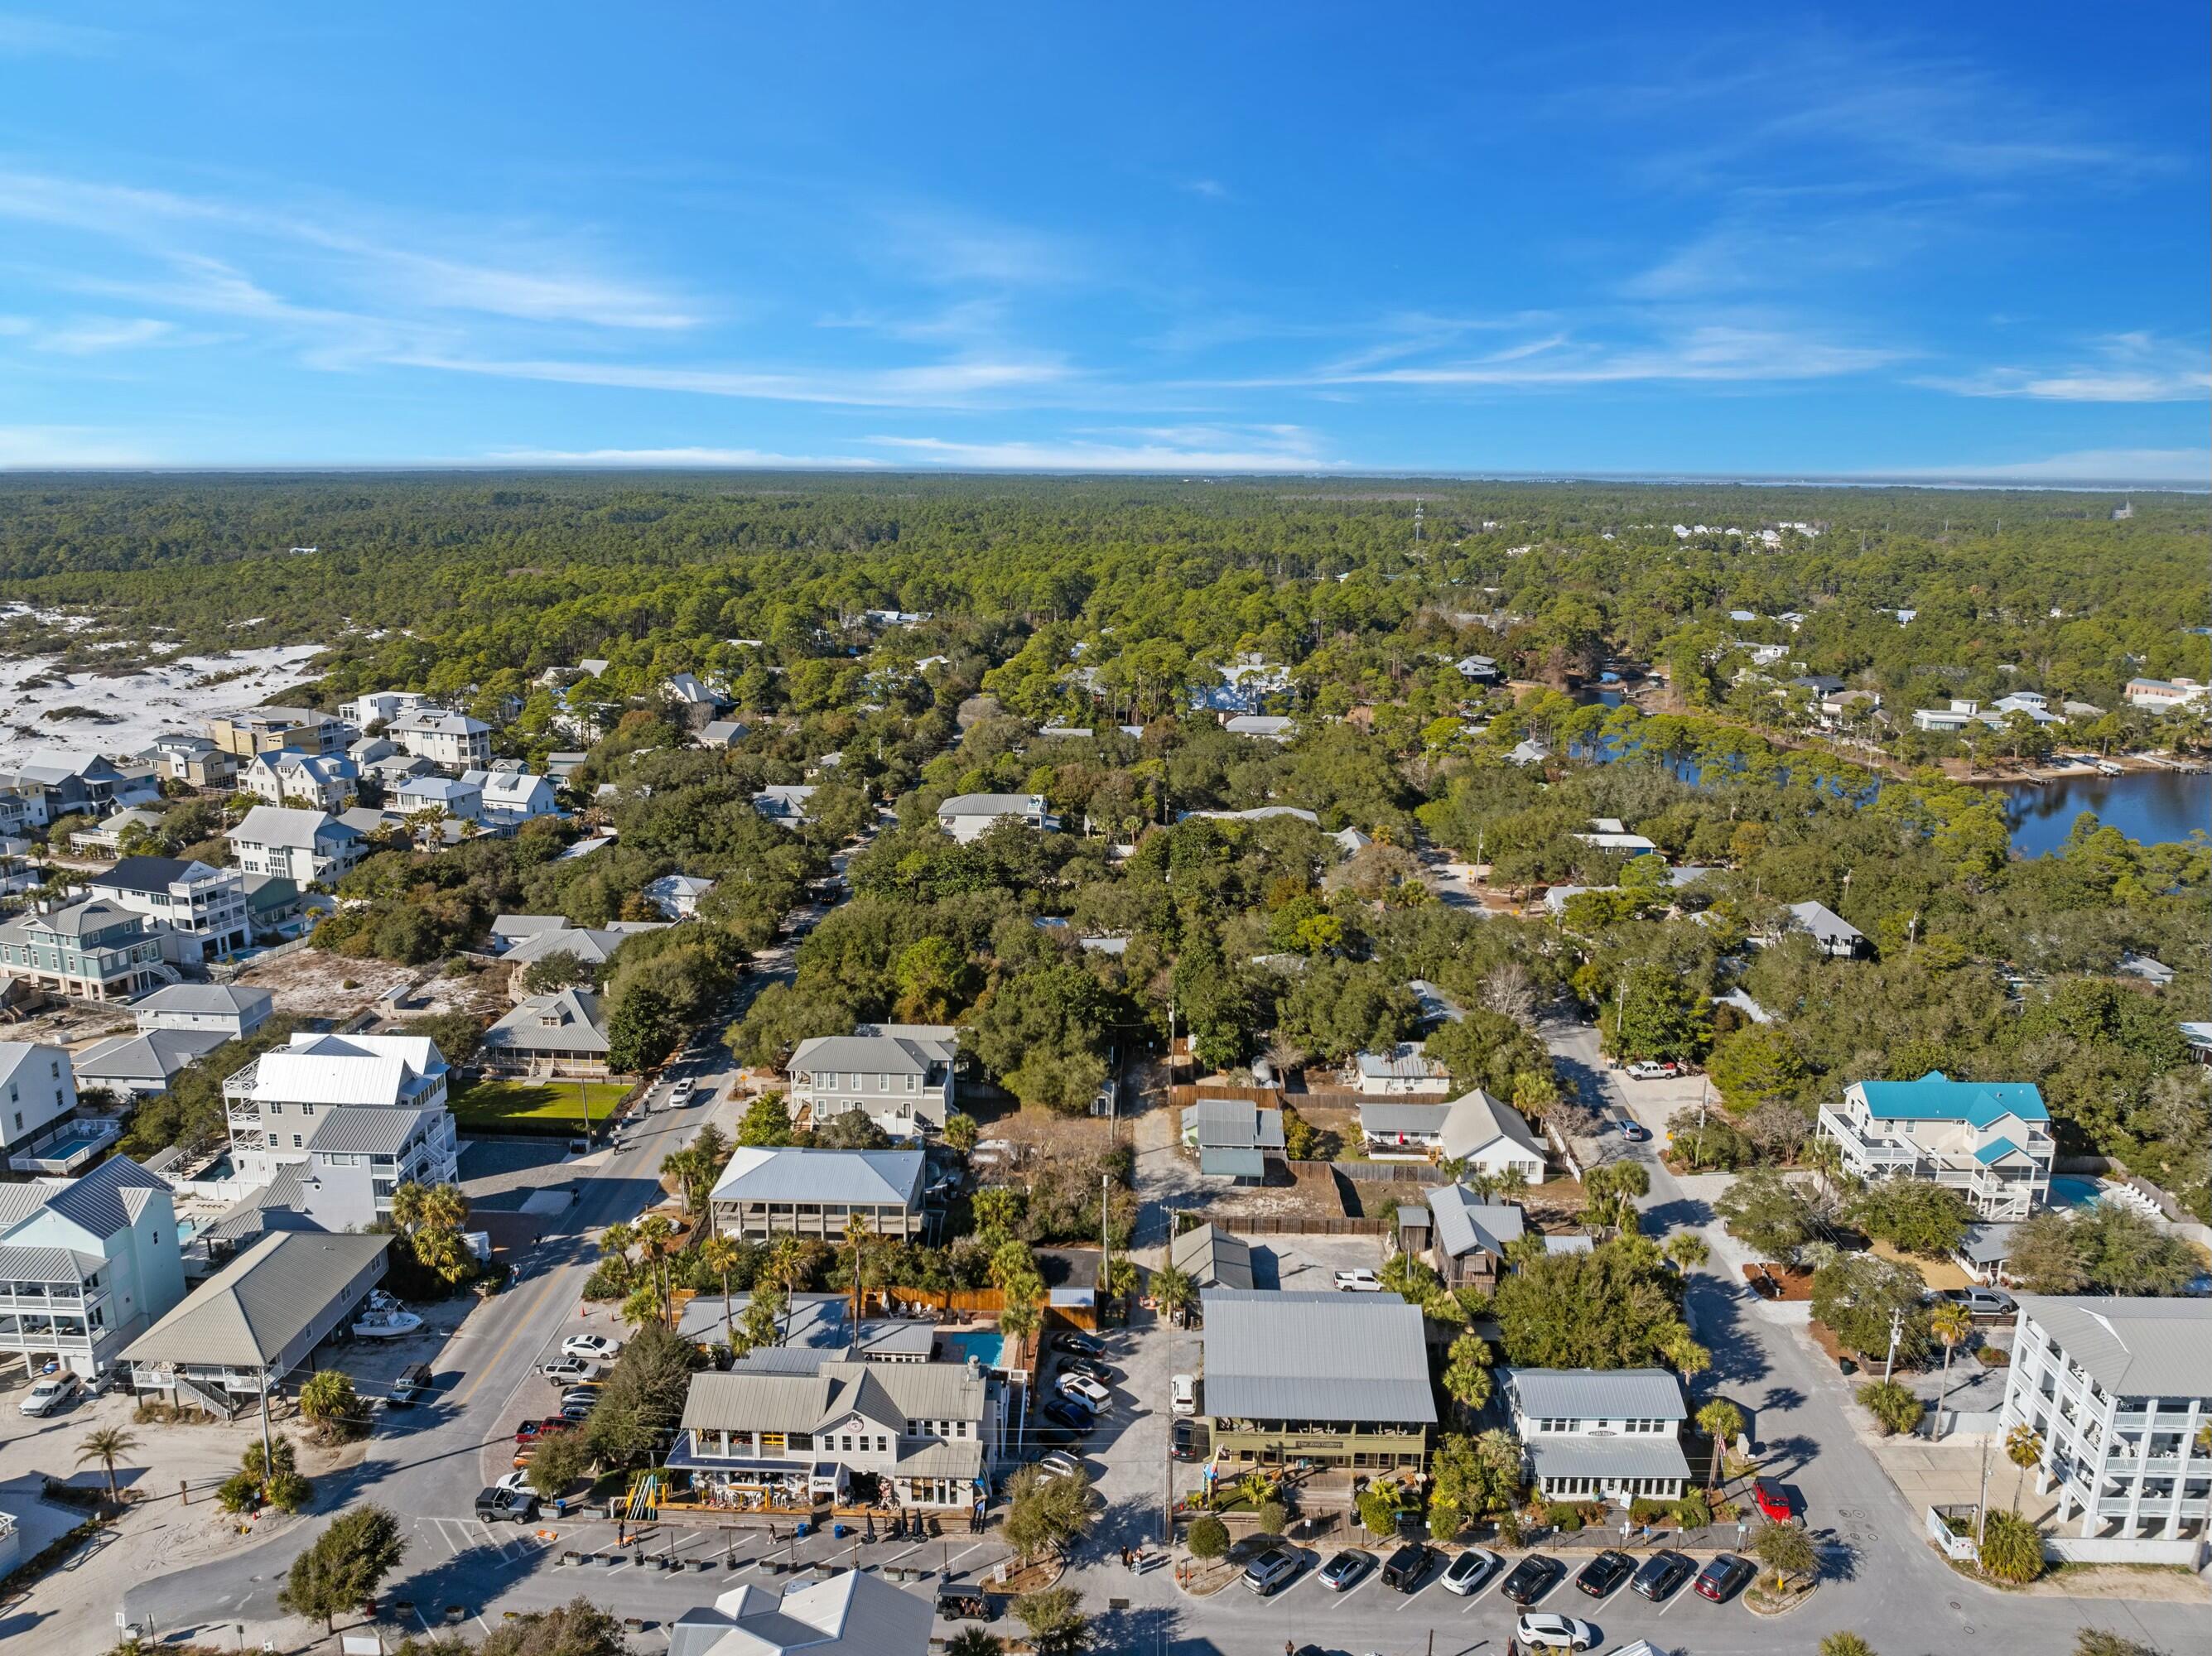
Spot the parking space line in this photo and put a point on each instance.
(1673, 1599)
(1476, 1598)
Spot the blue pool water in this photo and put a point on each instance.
(984, 1344)
(2067, 1191)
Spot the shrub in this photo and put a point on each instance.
(288, 1492)
(238, 1492)
(1565, 1517)
(1992, 1356)
(1893, 1405)
(1510, 1532)
(1274, 1517)
(1207, 1537)
(2011, 1547)
(1646, 1510)
(1693, 1512)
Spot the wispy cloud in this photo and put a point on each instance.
(2129, 367)
(956, 249)
(734, 459)
(2191, 467)
(1178, 449)
(1210, 189)
(946, 385)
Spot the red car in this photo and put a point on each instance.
(546, 1427)
(1773, 1500)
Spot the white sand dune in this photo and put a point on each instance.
(141, 705)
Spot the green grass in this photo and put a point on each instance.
(510, 1102)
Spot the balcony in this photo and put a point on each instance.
(1886, 1155)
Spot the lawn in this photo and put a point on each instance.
(514, 1103)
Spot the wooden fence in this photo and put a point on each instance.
(1275, 1224)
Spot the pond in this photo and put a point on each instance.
(2150, 806)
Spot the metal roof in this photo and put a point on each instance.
(570, 1022)
(356, 1130)
(993, 804)
(891, 1394)
(787, 1174)
(1474, 1121)
(153, 1055)
(249, 1313)
(1231, 1161)
(1212, 1258)
(1404, 1062)
(1464, 1223)
(46, 1265)
(1233, 1124)
(1316, 1357)
(1937, 1097)
(202, 998)
(280, 825)
(1595, 1393)
(2134, 1348)
(102, 1200)
(1988, 1243)
(1607, 1457)
(1824, 924)
(858, 1054)
(851, 1614)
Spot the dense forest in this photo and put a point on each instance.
(1058, 637)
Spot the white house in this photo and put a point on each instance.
(277, 1104)
(88, 1265)
(516, 796)
(1990, 1140)
(2118, 1390)
(1405, 1068)
(206, 905)
(231, 1011)
(463, 800)
(1474, 1128)
(382, 706)
(786, 1191)
(900, 1073)
(786, 802)
(451, 741)
(676, 897)
(969, 817)
(284, 776)
(37, 1088)
(1948, 720)
(1262, 727)
(848, 1615)
(300, 845)
(1610, 833)
(1591, 1434)
(1837, 937)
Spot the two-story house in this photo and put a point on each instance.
(275, 1103)
(927, 1433)
(1990, 1140)
(37, 1087)
(204, 904)
(88, 1265)
(304, 846)
(969, 817)
(562, 1035)
(451, 740)
(1340, 1379)
(357, 1156)
(463, 800)
(177, 1026)
(195, 760)
(94, 951)
(901, 1074)
(514, 796)
(266, 729)
(787, 1190)
(1611, 1433)
(285, 778)
(2119, 1391)
(1474, 1128)
(381, 707)
(1461, 1237)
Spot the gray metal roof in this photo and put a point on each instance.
(1474, 1121)
(2133, 1348)
(1607, 1457)
(851, 1614)
(1234, 1123)
(1595, 1393)
(892, 1055)
(1824, 924)
(787, 1173)
(204, 999)
(1465, 1224)
(102, 1201)
(46, 1265)
(364, 1130)
(892, 1393)
(570, 1022)
(1212, 1258)
(1987, 1244)
(1229, 1162)
(152, 1057)
(993, 804)
(251, 1312)
(817, 1328)
(1316, 1357)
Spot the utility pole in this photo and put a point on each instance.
(1896, 1328)
(268, 1453)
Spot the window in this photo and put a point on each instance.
(295, 1141)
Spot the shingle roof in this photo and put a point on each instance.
(1474, 1121)
(1315, 1356)
(1937, 1097)
(253, 1309)
(891, 1394)
(1595, 1393)
(2140, 1347)
(787, 1173)
(869, 1055)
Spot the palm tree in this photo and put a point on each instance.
(856, 1238)
(655, 1233)
(973, 1641)
(1019, 1322)
(107, 1446)
(786, 1265)
(720, 1254)
(1173, 1291)
(2024, 1448)
(1950, 1323)
(682, 1166)
(1721, 1420)
(1512, 1182)
(1686, 1248)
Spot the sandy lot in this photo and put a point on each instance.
(134, 707)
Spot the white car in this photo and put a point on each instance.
(1646, 1069)
(1467, 1572)
(1359, 1281)
(568, 1371)
(1082, 1386)
(1545, 1631)
(516, 1483)
(49, 1394)
(681, 1092)
(592, 1348)
(1182, 1394)
(1057, 1463)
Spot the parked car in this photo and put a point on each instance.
(1069, 1412)
(966, 1607)
(1982, 1301)
(1406, 1568)
(414, 1383)
(1604, 1572)
(1275, 1568)
(51, 1394)
(1773, 1500)
(1345, 1569)
(568, 1371)
(1081, 1345)
(1186, 1440)
(1182, 1394)
(592, 1348)
(1542, 1630)
(1057, 1463)
(1360, 1280)
(496, 1505)
(1720, 1578)
(587, 1395)
(1466, 1572)
(1082, 1386)
(1659, 1575)
(517, 1481)
(1653, 1069)
(1532, 1577)
(1088, 1369)
(577, 1413)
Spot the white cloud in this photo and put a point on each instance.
(734, 459)
(2191, 467)
(61, 448)
(952, 249)
(92, 335)
(2129, 367)
(942, 385)
(1182, 449)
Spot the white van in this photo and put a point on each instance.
(1182, 1394)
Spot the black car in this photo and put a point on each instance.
(1406, 1568)
(1604, 1572)
(1186, 1440)
(1080, 1345)
(1066, 1411)
(1532, 1577)
(1088, 1369)
(1660, 1575)
(1345, 1568)
(1719, 1580)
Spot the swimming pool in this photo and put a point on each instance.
(986, 1345)
(2068, 1192)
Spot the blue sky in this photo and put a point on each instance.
(1903, 242)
